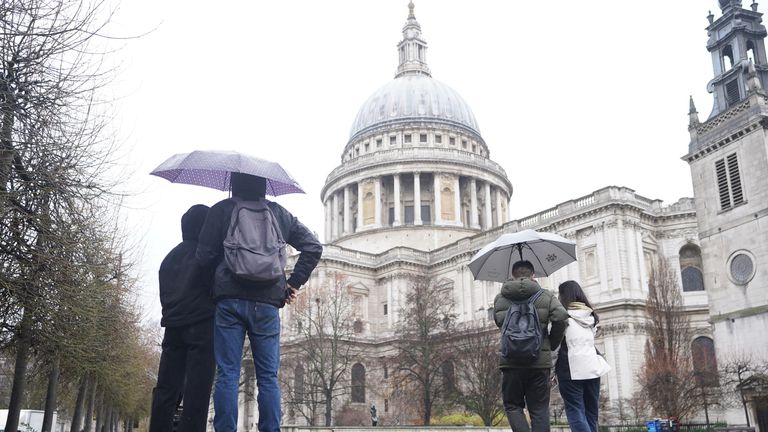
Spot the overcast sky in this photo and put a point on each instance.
(570, 96)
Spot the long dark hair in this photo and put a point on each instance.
(570, 291)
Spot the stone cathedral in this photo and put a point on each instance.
(417, 192)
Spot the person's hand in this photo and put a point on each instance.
(291, 296)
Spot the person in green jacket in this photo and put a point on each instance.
(525, 383)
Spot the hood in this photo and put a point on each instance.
(519, 289)
(192, 222)
(582, 314)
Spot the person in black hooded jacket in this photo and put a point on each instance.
(187, 362)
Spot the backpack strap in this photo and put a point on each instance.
(536, 296)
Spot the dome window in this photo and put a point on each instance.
(474, 148)
(378, 143)
(367, 147)
(452, 141)
(407, 138)
(464, 144)
(392, 140)
(438, 139)
(423, 138)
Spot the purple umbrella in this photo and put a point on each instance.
(213, 169)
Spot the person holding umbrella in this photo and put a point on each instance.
(525, 383)
(524, 312)
(249, 305)
(250, 284)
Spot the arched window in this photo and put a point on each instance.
(298, 383)
(752, 52)
(449, 376)
(704, 361)
(358, 383)
(727, 58)
(690, 268)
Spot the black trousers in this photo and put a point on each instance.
(186, 369)
(521, 388)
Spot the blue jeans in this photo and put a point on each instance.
(582, 399)
(262, 323)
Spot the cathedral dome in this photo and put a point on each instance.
(414, 97)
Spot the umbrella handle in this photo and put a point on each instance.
(520, 249)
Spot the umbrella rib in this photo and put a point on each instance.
(537, 259)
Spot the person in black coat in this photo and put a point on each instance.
(187, 362)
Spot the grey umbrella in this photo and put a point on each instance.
(213, 169)
(548, 252)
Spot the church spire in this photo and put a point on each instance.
(412, 50)
(693, 115)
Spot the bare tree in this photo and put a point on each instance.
(478, 365)
(324, 320)
(735, 374)
(667, 375)
(53, 149)
(427, 319)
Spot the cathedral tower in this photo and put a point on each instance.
(728, 157)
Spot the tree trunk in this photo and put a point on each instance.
(746, 411)
(328, 406)
(50, 397)
(108, 419)
(20, 371)
(101, 413)
(77, 415)
(6, 129)
(88, 421)
(427, 406)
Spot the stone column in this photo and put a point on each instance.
(396, 179)
(416, 199)
(377, 202)
(499, 213)
(328, 237)
(360, 205)
(335, 215)
(457, 201)
(473, 213)
(437, 218)
(488, 217)
(347, 212)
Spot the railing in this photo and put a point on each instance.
(430, 154)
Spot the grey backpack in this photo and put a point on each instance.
(254, 248)
(521, 332)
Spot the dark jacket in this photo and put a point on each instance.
(210, 253)
(550, 311)
(185, 288)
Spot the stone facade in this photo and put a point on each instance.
(728, 157)
(417, 193)
(405, 160)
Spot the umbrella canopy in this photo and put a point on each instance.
(547, 252)
(213, 169)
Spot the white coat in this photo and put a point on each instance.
(583, 359)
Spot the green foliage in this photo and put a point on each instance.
(464, 419)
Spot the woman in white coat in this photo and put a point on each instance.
(579, 365)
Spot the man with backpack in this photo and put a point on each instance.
(244, 239)
(523, 311)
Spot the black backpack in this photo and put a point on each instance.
(521, 332)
